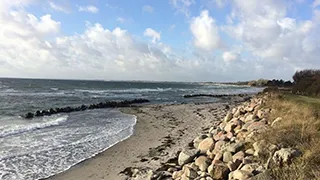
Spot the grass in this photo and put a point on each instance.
(299, 128)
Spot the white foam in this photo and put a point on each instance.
(18, 128)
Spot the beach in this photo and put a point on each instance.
(160, 132)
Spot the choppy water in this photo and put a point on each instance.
(41, 147)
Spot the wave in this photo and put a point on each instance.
(18, 129)
(133, 90)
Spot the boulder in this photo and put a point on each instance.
(239, 155)
(202, 162)
(187, 156)
(228, 117)
(233, 165)
(250, 117)
(190, 173)
(240, 175)
(263, 148)
(220, 136)
(235, 147)
(218, 171)
(265, 175)
(285, 155)
(29, 115)
(259, 126)
(205, 145)
(198, 139)
(230, 127)
(218, 147)
(249, 151)
(227, 156)
(250, 167)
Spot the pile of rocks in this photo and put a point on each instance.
(231, 150)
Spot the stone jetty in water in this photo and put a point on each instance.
(68, 109)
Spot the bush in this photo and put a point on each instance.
(307, 82)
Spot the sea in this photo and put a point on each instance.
(44, 146)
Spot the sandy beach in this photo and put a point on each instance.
(160, 132)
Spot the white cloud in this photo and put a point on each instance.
(147, 8)
(89, 8)
(182, 6)
(230, 56)
(156, 36)
(315, 3)
(58, 7)
(205, 32)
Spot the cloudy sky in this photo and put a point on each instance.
(171, 40)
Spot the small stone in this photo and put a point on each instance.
(228, 117)
(250, 167)
(218, 171)
(190, 173)
(227, 156)
(235, 147)
(198, 139)
(285, 155)
(177, 174)
(187, 156)
(250, 117)
(220, 136)
(240, 175)
(260, 126)
(239, 155)
(247, 160)
(233, 165)
(205, 145)
(218, 156)
(218, 146)
(249, 151)
(202, 162)
(229, 127)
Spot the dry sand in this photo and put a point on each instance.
(160, 132)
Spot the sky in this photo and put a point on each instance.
(161, 40)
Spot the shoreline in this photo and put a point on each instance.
(156, 138)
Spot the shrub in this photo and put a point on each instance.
(307, 82)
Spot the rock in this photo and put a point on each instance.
(235, 147)
(29, 115)
(218, 147)
(227, 156)
(187, 156)
(285, 155)
(240, 175)
(219, 171)
(213, 130)
(228, 117)
(250, 167)
(277, 120)
(220, 136)
(263, 148)
(233, 165)
(205, 145)
(249, 151)
(190, 173)
(250, 117)
(265, 175)
(239, 155)
(218, 156)
(260, 126)
(202, 162)
(247, 160)
(229, 127)
(198, 139)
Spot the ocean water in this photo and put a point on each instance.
(41, 147)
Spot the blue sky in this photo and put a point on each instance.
(188, 40)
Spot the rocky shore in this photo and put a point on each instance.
(231, 149)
